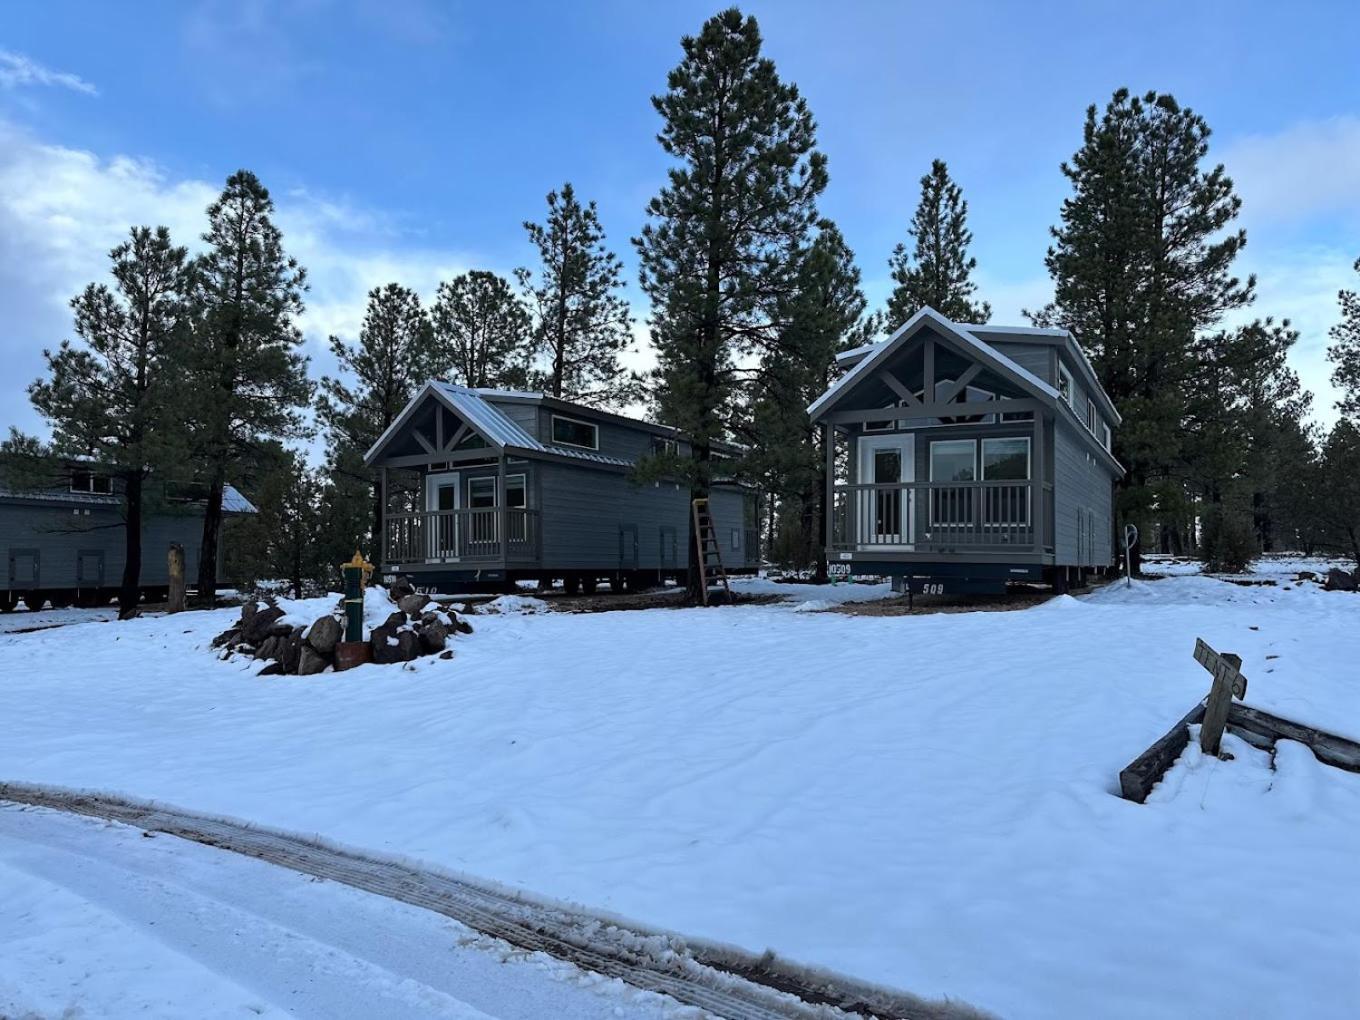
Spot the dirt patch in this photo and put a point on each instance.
(922, 605)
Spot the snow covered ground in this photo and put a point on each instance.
(100, 921)
(925, 801)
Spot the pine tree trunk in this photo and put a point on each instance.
(212, 529)
(129, 594)
(823, 572)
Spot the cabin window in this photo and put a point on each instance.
(882, 426)
(88, 481)
(570, 432)
(954, 463)
(1091, 416)
(1065, 385)
(1106, 438)
(663, 447)
(1006, 461)
(736, 538)
(481, 501)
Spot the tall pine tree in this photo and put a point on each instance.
(111, 398)
(581, 321)
(383, 370)
(1345, 351)
(1142, 269)
(481, 332)
(723, 235)
(248, 382)
(820, 316)
(938, 270)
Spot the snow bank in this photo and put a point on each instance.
(924, 801)
(519, 604)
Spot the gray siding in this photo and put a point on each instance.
(1083, 501)
(584, 513)
(66, 536)
(1035, 358)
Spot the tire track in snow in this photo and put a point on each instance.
(724, 981)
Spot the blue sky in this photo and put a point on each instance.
(407, 140)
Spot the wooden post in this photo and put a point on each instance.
(1228, 683)
(830, 494)
(175, 600)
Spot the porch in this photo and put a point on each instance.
(474, 538)
(917, 520)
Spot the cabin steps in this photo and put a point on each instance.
(712, 573)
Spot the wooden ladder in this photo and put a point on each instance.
(710, 554)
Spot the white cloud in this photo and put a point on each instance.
(1308, 169)
(63, 209)
(17, 71)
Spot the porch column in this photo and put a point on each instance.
(830, 498)
(1038, 478)
(502, 513)
(381, 537)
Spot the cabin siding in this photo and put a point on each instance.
(1034, 358)
(63, 534)
(1083, 501)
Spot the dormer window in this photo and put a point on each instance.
(1091, 416)
(571, 432)
(663, 447)
(91, 483)
(1065, 385)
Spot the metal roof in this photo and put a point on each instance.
(234, 503)
(232, 500)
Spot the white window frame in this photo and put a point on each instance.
(478, 480)
(594, 428)
(1107, 436)
(930, 467)
(668, 447)
(1091, 419)
(1067, 386)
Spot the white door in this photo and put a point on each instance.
(885, 516)
(442, 493)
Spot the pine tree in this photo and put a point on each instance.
(937, 272)
(110, 398)
(1142, 271)
(723, 235)
(248, 381)
(820, 316)
(481, 332)
(1340, 506)
(581, 320)
(1345, 351)
(390, 361)
(280, 541)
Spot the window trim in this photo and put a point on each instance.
(594, 428)
(1107, 436)
(474, 480)
(1029, 458)
(93, 489)
(964, 520)
(1065, 376)
(930, 457)
(1092, 419)
(523, 485)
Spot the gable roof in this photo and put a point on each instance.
(499, 430)
(875, 354)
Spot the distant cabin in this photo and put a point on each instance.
(960, 457)
(64, 539)
(484, 487)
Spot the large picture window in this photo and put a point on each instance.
(570, 432)
(1006, 461)
(952, 461)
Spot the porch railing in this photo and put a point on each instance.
(941, 517)
(469, 535)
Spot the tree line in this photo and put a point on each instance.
(189, 368)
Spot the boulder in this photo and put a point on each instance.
(395, 621)
(386, 648)
(273, 669)
(460, 625)
(270, 648)
(1306, 575)
(1340, 580)
(248, 611)
(433, 637)
(281, 630)
(324, 634)
(260, 623)
(227, 637)
(408, 646)
(400, 588)
(310, 661)
(412, 604)
(448, 654)
(291, 651)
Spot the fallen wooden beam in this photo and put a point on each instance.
(1327, 747)
(1146, 771)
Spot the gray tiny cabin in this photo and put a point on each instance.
(481, 488)
(962, 457)
(64, 541)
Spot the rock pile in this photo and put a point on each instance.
(416, 627)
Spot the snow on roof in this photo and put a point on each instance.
(876, 352)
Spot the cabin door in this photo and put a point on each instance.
(442, 501)
(885, 513)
